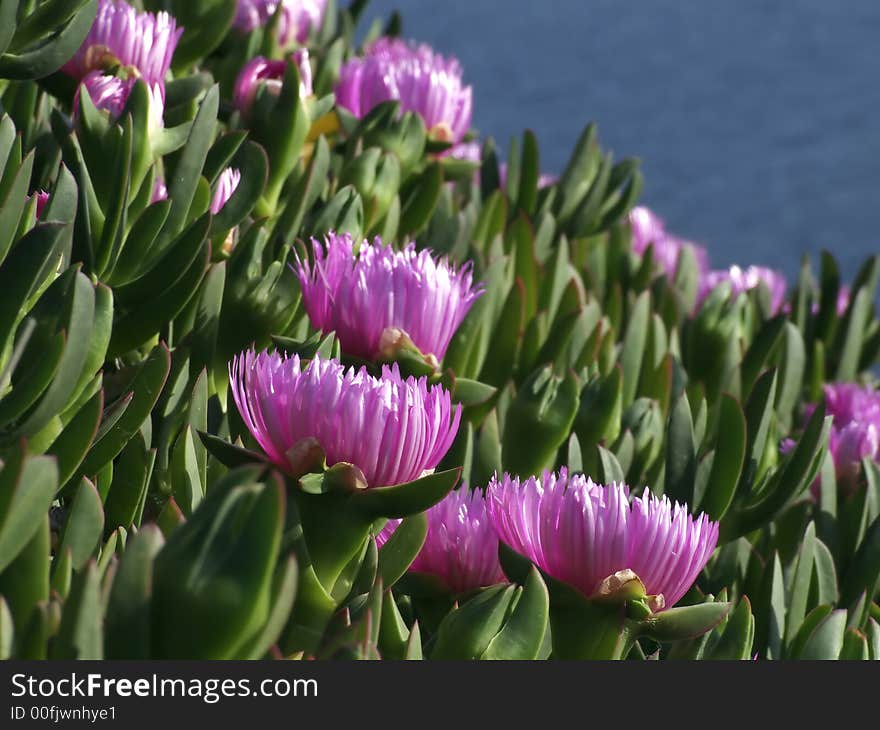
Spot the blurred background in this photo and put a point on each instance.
(757, 121)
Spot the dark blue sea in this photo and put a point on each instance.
(757, 121)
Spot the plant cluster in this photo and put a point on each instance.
(293, 364)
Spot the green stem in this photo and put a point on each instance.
(586, 630)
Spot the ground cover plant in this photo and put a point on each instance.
(294, 363)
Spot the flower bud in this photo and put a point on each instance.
(262, 72)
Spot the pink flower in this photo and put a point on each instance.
(160, 192)
(226, 186)
(855, 430)
(544, 179)
(263, 72)
(461, 547)
(843, 296)
(649, 229)
(743, 280)
(393, 430)
(42, 199)
(372, 297)
(296, 18)
(584, 533)
(110, 94)
(141, 42)
(423, 81)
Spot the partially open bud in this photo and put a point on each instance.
(160, 191)
(110, 94)
(261, 72)
(42, 198)
(226, 186)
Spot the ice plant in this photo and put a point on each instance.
(461, 546)
(110, 93)
(424, 82)
(42, 198)
(387, 531)
(592, 537)
(743, 280)
(855, 430)
(843, 297)
(468, 151)
(295, 17)
(373, 297)
(649, 229)
(545, 179)
(263, 72)
(226, 186)
(142, 43)
(393, 429)
(160, 191)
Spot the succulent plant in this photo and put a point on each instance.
(220, 441)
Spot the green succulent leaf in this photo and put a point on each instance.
(80, 635)
(212, 580)
(27, 487)
(128, 607)
(84, 525)
(397, 554)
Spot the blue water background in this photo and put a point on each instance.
(757, 121)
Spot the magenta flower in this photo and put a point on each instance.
(388, 530)
(373, 297)
(467, 151)
(110, 94)
(544, 179)
(743, 280)
(42, 198)
(648, 228)
(295, 20)
(226, 186)
(263, 72)
(461, 546)
(855, 430)
(160, 191)
(423, 81)
(584, 533)
(142, 42)
(393, 430)
(843, 296)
